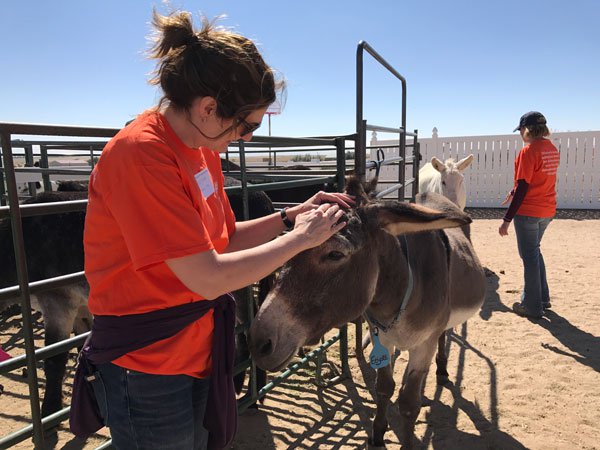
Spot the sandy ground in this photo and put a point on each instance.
(516, 383)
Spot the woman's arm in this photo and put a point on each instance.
(517, 200)
(255, 232)
(517, 197)
(210, 274)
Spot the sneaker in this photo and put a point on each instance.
(547, 305)
(520, 310)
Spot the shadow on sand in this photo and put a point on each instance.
(441, 421)
(582, 346)
(492, 301)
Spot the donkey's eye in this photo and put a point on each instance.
(334, 256)
(444, 183)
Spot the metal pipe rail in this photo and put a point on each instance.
(24, 143)
(286, 174)
(389, 129)
(44, 352)
(408, 144)
(56, 130)
(36, 287)
(395, 188)
(259, 177)
(43, 170)
(28, 431)
(38, 209)
(281, 184)
(274, 141)
(389, 161)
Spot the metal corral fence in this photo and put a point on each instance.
(490, 176)
(25, 289)
(251, 179)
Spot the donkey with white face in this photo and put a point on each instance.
(393, 263)
(446, 179)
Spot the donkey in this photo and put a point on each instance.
(446, 178)
(396, 264)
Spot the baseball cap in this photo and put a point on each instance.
(531, 118)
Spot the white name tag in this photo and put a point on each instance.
(205, 183)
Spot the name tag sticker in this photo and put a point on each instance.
(205, 183)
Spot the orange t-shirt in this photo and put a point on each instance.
(537, 164)
(152, 198)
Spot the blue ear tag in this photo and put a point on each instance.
(380, 356)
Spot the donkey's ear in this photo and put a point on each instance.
(402, 218)
(438, 165)
(371, 187)
(464, 163)
(361, 190)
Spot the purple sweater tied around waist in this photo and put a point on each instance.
(115, 336)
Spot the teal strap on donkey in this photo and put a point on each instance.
(380, 355)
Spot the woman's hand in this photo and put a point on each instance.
(507, 199)
(315, 226)
(503, 230)
(343, 200)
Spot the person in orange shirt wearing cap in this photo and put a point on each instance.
(532, 206)
(163, 250)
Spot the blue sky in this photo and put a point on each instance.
(472, 67)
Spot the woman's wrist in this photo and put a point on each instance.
(295, 240)
(287, 222)
(292, 212)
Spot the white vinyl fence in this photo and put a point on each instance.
(490, 176)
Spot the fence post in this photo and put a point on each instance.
(2, 189)
(44, 164)
(29, 163)
(416, 165)
(23, 278)
(360, 151)
(340, 163)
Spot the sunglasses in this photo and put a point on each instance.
(247, 127)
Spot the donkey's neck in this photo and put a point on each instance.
(392, 282)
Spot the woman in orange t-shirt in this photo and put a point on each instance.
(160, 232)
(533, 205)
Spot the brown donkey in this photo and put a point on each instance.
(393, 263)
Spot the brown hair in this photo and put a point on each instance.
(211, 62)
(536, 131)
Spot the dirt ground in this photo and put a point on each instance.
(516, 383)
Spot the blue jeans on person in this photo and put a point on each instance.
(529, 231)
(146, 412)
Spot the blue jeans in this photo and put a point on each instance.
(529, 231)
(147, 412)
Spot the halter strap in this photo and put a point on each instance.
(385, 328)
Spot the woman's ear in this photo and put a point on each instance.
(205, 106)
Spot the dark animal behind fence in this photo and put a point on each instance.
(298, 194)
(287, 194)
(53, 247)
(72, 186)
